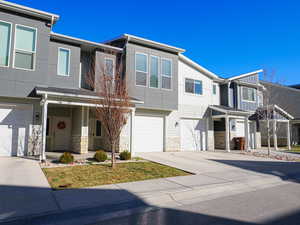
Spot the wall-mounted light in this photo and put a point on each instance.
(176, 124)
(37, 116)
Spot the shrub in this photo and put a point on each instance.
(100, 156)
(66, 158)
(126, 155)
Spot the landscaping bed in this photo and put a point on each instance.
(100, 174)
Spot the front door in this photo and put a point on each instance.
(62, 133)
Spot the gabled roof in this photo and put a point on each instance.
(74, 40)
(147, 42)
(198, 67)
(244, 75)
(29, 11)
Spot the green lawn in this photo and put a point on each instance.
(93, 175)
(295, 148)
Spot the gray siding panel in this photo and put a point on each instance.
(153, 98)
(250, 79)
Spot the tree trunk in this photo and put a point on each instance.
(113, 156)
(268, 136)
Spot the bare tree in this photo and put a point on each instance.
(113, 106)
(35, 140)
(269, 97)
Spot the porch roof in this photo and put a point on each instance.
(219, 110)
(68, 93)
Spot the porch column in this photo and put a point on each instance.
(246, 127)
(44, 128)
(275, 134)
(132, 118)
(288, 135)
(227, 137)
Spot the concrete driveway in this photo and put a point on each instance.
(226, 166)
(24, 189)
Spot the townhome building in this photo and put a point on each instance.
(177, 105)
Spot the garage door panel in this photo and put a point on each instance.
(15, 120)
(193, 135)
(148, 134)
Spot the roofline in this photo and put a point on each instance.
(74, 40)
(41, 92)
(29, 11)
(281, 110)
(226, 111)
(198, 67)
(130, 37)
(245, 75)
(280, 85)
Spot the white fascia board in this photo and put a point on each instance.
(28, 11)
(284, 112)
(244, 75)
(74, 40)
(201, 69)
(229, 111)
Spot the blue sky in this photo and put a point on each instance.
(228, 37)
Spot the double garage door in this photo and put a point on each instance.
(193, 134)
(14, 128)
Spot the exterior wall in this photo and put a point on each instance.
(55, 80)
(172, 132)
(281, 134)
(18, 82)
(246, 105)
(224, 94)
(154, 98)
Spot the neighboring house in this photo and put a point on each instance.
(177, 104)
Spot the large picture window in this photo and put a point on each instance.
(154, 71)
(141, 69)
(25, 47)
(166, 73)
(63, 65)
(193, 86)
(248, 94)
(5, 37)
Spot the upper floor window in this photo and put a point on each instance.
(166, 73)
(5, 36)
(248, 94)
(25, 47)
(154, 65)
(214, 89)
(109, 67)
(193, 86)
(141, 69)
(63, 65)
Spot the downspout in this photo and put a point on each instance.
(228, 88)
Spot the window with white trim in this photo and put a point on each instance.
(141, 69)
(63, 65)
(154, 65)
(248, 94)
(109, 67)
(166, 73)
(25, 47)
(5, 37)
(193, 86)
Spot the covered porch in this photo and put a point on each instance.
(69, 123)
(229, 123)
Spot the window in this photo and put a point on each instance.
(193, 86)
(98, 128)
(214, 89)
(25, 47)
(141, 69)
(166, 73)
(5, 36)
(248, 94)
(154, 71)
(63, 65)
(109, 67)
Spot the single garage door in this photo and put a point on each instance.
(14, 128)
(149, 135)
(193, 134)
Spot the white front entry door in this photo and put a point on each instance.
(193, 134)
(149, 134)
(15, 120)
(62, 133)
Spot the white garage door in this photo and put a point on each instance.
(193, 135)
(14, 129)
(149, 136)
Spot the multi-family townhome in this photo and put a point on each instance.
(177, 105)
